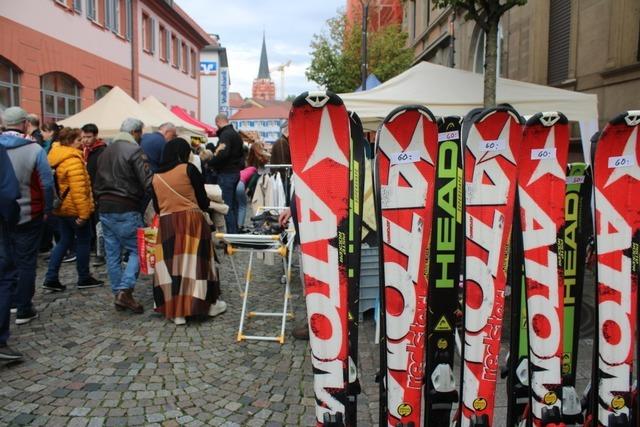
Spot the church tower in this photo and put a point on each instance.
(263, 86)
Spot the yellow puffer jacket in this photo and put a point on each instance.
(74, 184)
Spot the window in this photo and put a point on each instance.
(478, 65)
(193, 62)
(148, 33)
(559, 41)
(118, 17)
(77, 6)
(91, 10)
(165, 53)
(185, 58)
(175, 51)
(9, 85)
(101, 91)
(60, 96)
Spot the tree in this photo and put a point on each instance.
(336, 55)
(486, 14)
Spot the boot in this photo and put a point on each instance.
(301, 332)
(125, 301)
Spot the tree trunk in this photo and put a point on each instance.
(490, 65)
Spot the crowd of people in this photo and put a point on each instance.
(67, 191)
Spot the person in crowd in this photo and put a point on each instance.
(228, 161)
(185, 279)
(33, 129)
(123, 181)
(19, 244)
(74, 212)
(92, 149)
(280, 155)
(50, 131)
(153, 143)
(256, 159)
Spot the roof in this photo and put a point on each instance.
(180, 112)
(235, 100)
(263, 72)
(201, 36)
(154, 106)
(270, 112)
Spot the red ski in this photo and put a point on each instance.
(492, 140)
(617, 222)
(406, 151)
(541, 191)
(320, 139)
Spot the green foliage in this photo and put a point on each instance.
(336, 55)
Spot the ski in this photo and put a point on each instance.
(541, 194)
(406, 150)
(616, 176)
(577, 232)
(444, 275)
(491, 149)
(356, 193)
(320, 153)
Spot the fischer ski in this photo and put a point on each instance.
(320, 155)
(541, 193)
(406, 150)
(491, 149)
(444, 275)
(616, 176)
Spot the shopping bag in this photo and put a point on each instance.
(147, 239)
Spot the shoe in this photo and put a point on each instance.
(27, 317)
(218, 308)
(91, 282)
(124, 301)
(99, 261)
(7, 353)
(69, 258)
(180, 321)
(54, 286)
(301, 332)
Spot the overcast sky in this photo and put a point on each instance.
(289, 26)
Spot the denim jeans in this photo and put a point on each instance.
(228, 183)
(120, 234)
(18, 261)
(241, 201)
(70, 232)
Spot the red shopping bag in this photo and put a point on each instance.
(147, 239)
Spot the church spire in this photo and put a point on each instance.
(263, 72)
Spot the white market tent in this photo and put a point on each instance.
(449, 91)
(110, 111)
(155, 107)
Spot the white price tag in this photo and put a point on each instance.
(448, 136)
(621, 162)
(575, 179)
(405, 157)
(543, 153)
(493, 145)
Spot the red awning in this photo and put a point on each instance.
(180, 112)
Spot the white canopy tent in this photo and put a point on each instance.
(156, 108)
(449, 91)
(110, 111)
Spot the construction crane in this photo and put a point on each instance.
(281, 69)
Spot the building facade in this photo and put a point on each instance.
(381, 13)
(214, 81)
(60, 56)
(267, 119)
(588, 46)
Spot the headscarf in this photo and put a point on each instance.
(177, 151)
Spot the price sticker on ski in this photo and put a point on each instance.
(621, 162)
(403, 157)
(543, 153)
(448, 136)
(493, 145)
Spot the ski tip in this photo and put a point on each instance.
(502, 108)
(547, 119)
(399, 110)
(317, 99)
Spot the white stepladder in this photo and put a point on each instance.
(281, 244)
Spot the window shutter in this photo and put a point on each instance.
(107, 14)
(167, 45)
(115, 16)
(559, 40)
(179, 58)
(91, 9)
(152, 23)
(129, 19)
(77, 5)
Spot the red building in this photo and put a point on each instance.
(381, 13)
(263, 87)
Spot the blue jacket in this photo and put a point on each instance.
(9, 189)
(32, 169)
(152, 145)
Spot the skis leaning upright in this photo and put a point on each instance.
(406, 150)
(616, 176)
(444, 275)
(320, 155)
(541, 193)
(491, 150)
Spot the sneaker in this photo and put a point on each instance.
(54, 286)
(7, 353)
(301, 332)
(91, 282)
(27, 317)
(180, 321)
(99, 261)
(218, 308)
(69, 258)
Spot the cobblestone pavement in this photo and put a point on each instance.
(87, 364)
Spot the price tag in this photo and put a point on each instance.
(575, 179)
(493, 145)
(543, 153)
(621, 162)
(448, 136)
(405, 157)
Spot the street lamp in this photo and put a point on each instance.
(363, 67)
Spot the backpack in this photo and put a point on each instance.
(9, 190)
(57, 197)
